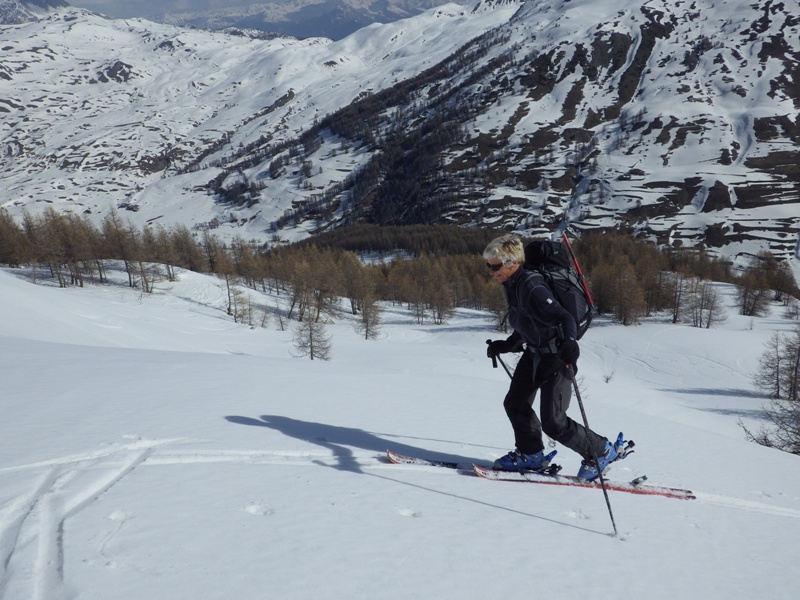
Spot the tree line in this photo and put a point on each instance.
(441, 267)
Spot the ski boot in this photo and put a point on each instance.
(613, 452)
(517, 461)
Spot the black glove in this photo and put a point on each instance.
(501, 346)
(569, 352)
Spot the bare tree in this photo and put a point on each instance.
(792, 372)
(241, 306)
(792, 309)
(677, 289)
(13, 244)
(311, 340)
(785, 431)
(768, 376)
(753, 294)
(704, 304)
(119, 243)
(779, 376)
(369, 322)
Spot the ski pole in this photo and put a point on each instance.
(495, 358)
(505, 367)
(581, 278)
(596, 457)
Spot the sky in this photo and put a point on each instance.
(152, 448)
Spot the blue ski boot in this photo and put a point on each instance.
(616, 451)
(517, 461)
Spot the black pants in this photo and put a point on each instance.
(546, 373)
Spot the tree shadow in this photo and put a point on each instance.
(340, 441)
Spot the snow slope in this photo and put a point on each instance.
(151, 448)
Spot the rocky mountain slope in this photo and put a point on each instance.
(678, 120)
(21, 11)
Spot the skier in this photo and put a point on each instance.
(545, 332)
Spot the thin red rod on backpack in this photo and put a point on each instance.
(577, 268)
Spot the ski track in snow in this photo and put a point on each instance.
(61, 492)
(748, 505)
(50, 504)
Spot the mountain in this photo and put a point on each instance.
(22, 11)
(333, 19)
(678, 121)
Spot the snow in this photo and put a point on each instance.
(236, 94)
(152, 448)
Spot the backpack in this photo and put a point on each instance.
(552, 261)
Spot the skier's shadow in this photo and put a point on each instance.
(341, 440)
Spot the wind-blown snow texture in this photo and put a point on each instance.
(678, 119)
(151, 448)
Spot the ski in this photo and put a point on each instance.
(548, 476)
(399, 459)
(636, 486)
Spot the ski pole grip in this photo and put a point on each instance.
(494, 358)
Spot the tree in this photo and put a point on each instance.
(779, 375)
(630, 300)
(440, 294)
(615, 289)
(225, 269)
(704, 303)
(164, 252)
(753, 295)
(677, 285)
(650, 273)
(12, 241)
(768, 376)
(120, 244)
(792, 309)
(791, 377)
(187, 252)
(323, 283)
(369, 322)
(782, 283)
(311, 340)
(353, 281)
(785, 431)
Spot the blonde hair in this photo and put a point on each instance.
(506, 248)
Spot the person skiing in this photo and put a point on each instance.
(545, 333)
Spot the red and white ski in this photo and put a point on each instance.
(636, 486)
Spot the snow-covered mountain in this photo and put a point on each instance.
(677, 120)
(333, 19)
(22, 11)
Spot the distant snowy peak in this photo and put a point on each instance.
(14, 12)
(333, 19)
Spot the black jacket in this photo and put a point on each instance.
(533, 312)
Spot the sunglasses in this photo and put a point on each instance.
(494, 268)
